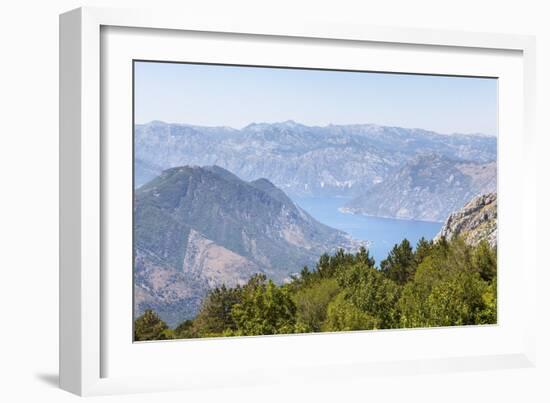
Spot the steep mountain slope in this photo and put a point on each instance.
(429, 187)
(335, 160)
(196, 228)
(476, 221)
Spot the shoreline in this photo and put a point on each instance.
(346, 210)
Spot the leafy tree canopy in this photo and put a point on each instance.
(150, 327)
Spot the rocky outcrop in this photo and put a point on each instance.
(215, 264)
(475, 222)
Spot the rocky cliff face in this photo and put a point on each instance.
(429, 187)
(476, 221)
(196, 228)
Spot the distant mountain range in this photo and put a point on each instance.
(428, 187)
(196, 228)
(334, 160)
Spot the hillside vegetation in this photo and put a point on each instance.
(442, 283)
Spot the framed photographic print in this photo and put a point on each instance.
(246, 228)
(236, 198)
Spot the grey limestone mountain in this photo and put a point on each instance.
(428, 187)
(476, 221)
(196, 228)
(333, 160)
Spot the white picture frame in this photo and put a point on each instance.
(86, 334)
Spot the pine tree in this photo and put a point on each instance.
(423, 249)
(363, 257)
(215, 315)
(485, 260)
(400, 264)
(149, 326)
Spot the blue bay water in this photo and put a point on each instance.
(382, 233)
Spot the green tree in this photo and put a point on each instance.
(400, 264)
(485, 261)
(371, 292)
(305, 278)
(446, 290)
(264, 309)
(323, 267)
(423, 249)
(363, 257)
(328, 266)
(185, 330)
(343, 315)
(489, 314)
(311, 303)
(149, 326)
(215, 315)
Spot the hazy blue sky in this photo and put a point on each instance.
(236, 96)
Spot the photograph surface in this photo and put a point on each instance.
(271, 200)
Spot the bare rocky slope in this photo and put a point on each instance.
(475, 222)
(196, 228)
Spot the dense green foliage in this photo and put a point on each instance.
(150, 327)
(437, 284)
(400, 264)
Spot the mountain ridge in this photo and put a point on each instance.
(293, 123)
(333, 160)
(201, 227)
(428, 187)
